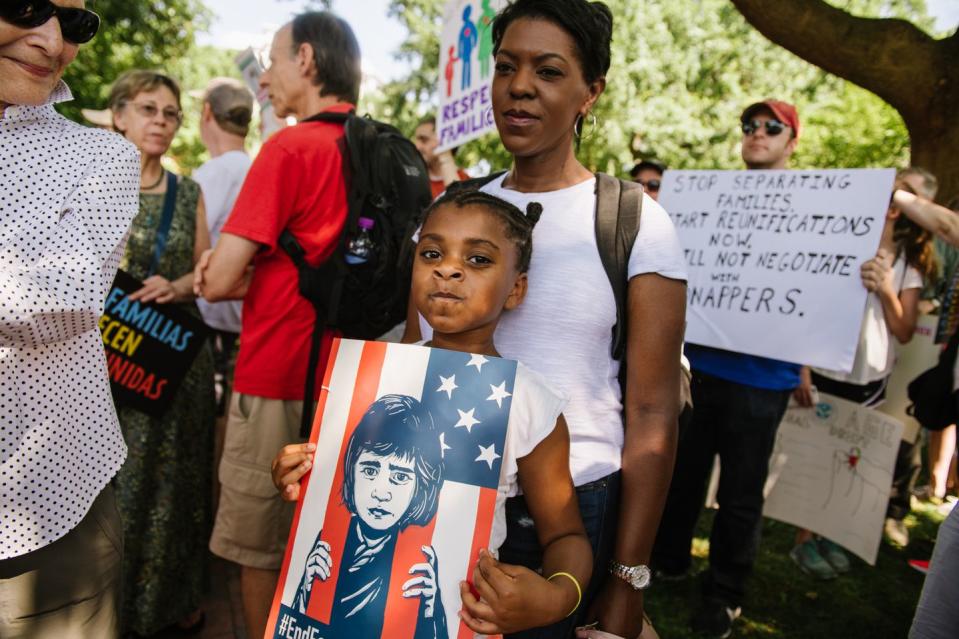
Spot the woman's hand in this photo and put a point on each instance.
(288, 468)
(155, 289)
(424, 586)
(877, 273)
(512, 598)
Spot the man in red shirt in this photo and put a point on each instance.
(295, 183)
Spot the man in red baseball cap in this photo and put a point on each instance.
(770, 134)
(740, 400)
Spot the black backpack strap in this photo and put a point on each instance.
(619, 206)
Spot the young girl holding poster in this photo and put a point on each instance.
(472, 257)
(894, 279)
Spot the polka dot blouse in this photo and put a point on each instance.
(67, 196)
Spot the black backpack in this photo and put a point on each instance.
(933, 402)
(619, 206)
(387, 181)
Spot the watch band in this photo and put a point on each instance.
(638, 577)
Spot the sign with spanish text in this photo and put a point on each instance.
(401, 495)
(773, 258)
(831, 472)
(149, 347)
(466, 72)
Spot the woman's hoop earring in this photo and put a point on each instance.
(578, 127)
(592, 127)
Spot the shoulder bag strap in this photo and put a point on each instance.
(166, 220)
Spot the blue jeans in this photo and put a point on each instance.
(599, 508)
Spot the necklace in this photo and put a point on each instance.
(155, 184)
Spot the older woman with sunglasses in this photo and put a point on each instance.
(163, 490)
(67, 196)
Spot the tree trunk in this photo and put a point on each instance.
(903, 65)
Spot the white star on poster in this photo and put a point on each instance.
(488, 455)
(499, 394)
(467, 420)
(443, 445)
(477, 361)
(448, 385)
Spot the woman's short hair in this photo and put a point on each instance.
(400, 425)
(590, 24)
(133, 83)
(336, 53)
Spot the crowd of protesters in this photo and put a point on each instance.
(107, 514)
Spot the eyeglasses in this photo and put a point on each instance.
(773, 127)
(650, 185)
(150, 110)
(76, 25)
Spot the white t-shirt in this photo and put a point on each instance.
(220, 180)
(563, 329)
(876, 354)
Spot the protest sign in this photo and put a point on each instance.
(831, 471)
(401, 494)
(149, 346)
(912, 359)
(774, 256)
(466, 71)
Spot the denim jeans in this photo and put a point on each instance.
(599, 508)
(738, 423)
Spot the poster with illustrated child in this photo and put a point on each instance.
(401, 496)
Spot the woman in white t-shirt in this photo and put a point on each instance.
(894, 279)
(551, 59)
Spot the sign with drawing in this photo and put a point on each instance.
(466, 71)
(401, 496)
(778, 249)
(831, 471)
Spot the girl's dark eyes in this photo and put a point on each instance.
(479, 259)
(502, 67)
(430, 254)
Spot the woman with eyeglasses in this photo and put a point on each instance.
(163, 489)
(67, 196)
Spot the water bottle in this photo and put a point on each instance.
(360, 248)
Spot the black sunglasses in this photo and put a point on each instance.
(650, 185)
(76, 25)
(773, 127)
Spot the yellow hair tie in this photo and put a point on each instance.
(579, 591)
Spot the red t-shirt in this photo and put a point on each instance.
(295, 182)
(437, 186)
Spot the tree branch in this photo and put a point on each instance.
(890, 57)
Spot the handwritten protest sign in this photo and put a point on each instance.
(150, 347)
(420, 426)
(774, 257)
(466, 70)
(831, 471)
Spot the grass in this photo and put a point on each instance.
(871, 602)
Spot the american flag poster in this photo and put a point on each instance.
(401, 494)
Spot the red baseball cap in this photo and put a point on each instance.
(784, 112)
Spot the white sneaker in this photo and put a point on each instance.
(896, 532)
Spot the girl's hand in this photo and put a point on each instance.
(288, 468)
(155, 289)
(513, 598)
(424, 586)
(877, 272)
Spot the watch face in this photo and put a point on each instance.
(640, 577)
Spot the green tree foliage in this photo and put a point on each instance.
(682, 71)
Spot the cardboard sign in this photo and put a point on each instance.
(251, 69)
(774, 257)
(831, 471)
(150, 347)
(401, 496)
(466, 71)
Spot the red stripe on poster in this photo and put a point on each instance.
(337, 519)
(314, 436)
(485, 511)
(399, 618)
